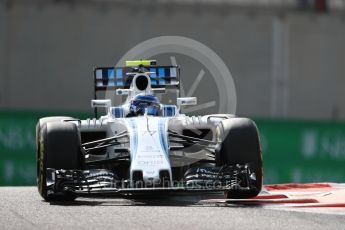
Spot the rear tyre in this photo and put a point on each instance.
(59, 148)
(240, 145)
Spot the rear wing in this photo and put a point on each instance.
(112, 78)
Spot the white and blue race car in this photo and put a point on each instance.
(144, 147)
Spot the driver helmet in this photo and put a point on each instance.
(142, 102)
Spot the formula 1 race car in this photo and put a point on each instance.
(144, 147)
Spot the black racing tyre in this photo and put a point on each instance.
(59, 148)
(240, 145)
(39, 126)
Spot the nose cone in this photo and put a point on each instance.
(149, 151)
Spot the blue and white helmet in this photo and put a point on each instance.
(143, 102)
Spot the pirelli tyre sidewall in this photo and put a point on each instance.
(39, 126)
(240, 145)
(59, 148)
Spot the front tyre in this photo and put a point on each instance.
(41, 122)
(240, 145)
(59, 148)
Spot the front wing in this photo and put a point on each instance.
(101, 182)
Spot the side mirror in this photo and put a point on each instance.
(123, 91)
(100, 103)
(183, 101)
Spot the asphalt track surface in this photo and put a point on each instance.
(23, 208)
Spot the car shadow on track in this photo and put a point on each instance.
(182, 201)
(132, 201)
